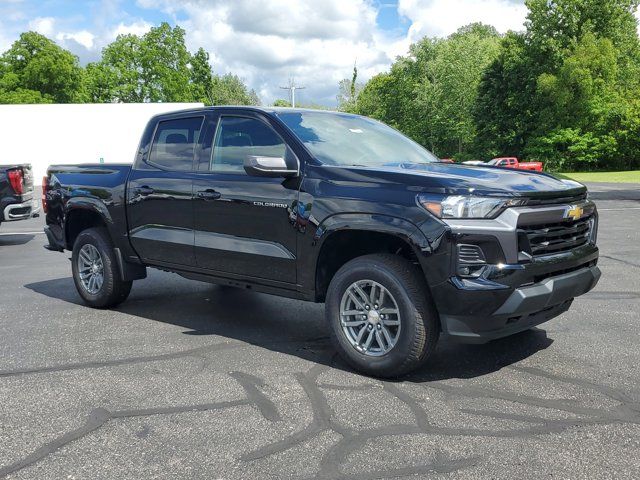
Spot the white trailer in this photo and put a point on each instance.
(43, 135)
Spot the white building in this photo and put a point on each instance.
(44, 135)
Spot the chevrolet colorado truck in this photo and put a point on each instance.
(513, 162)
(334, 208)
(16, 193)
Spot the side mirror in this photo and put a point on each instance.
(268, 167)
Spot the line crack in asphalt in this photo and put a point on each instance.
(100, 416)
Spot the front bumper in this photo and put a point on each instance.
(515, 290)
(523, 308)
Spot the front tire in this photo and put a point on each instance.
(380, 314)
(95, 270)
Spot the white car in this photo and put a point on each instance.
(474, 162)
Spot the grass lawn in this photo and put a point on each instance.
(610, 177)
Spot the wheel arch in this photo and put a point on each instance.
(344, 237)
(83, 213)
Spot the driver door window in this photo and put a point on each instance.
(238, 138)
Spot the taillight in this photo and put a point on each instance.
(45, 188)
(16, 179)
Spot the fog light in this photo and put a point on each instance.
(471, 260)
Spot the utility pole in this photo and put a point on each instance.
(292, 91)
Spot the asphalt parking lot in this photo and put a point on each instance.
(190, 380)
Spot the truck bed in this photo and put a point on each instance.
(91, 186)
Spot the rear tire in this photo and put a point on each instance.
(411, 334)
(95, 270)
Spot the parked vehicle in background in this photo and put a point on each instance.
(334, 208)
(475, 163)
(513, 162)
(17, 200)
(447, 160)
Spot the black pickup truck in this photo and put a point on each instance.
(335, 208)
(17, 201)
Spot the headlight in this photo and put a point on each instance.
(459, 206)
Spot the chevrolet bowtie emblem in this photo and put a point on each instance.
(574, 212)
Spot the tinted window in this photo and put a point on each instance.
(238, 138)
(174, 144)
(343, 139)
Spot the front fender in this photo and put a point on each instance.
(311, 246)
(373, 222)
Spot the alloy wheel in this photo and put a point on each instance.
(370, 318)
(90, 268)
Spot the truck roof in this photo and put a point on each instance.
(253, 108)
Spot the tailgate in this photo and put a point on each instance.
(27, 175)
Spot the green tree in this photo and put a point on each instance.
(516, 100)
(36, 64)
(583, 124)
(229, 89)
(165, 64)
(157, 67)
(449, 86)
(505, 110)
(201, 77)
(118, 76)
(22, 96)
(348, 91)
(101, 83)
(430, 95)
(151, 68)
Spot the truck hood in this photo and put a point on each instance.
(457, 179)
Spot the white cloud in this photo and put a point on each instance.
(5, 42)
(83, 37)
(266, 43)
(443, 17)
(43, 25)
(136, 28)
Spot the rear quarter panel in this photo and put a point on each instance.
(96, 188)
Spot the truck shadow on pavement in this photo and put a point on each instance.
(291, 327)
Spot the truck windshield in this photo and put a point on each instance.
(348, 140)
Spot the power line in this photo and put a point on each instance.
(292, 91)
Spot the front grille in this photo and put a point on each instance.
(557, 200)
(551, 238)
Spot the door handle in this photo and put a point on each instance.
(144, 191)
(209, 194)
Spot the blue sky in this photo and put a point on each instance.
(266, 42)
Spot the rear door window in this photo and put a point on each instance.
(174, 143)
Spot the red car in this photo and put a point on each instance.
(513, 162)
